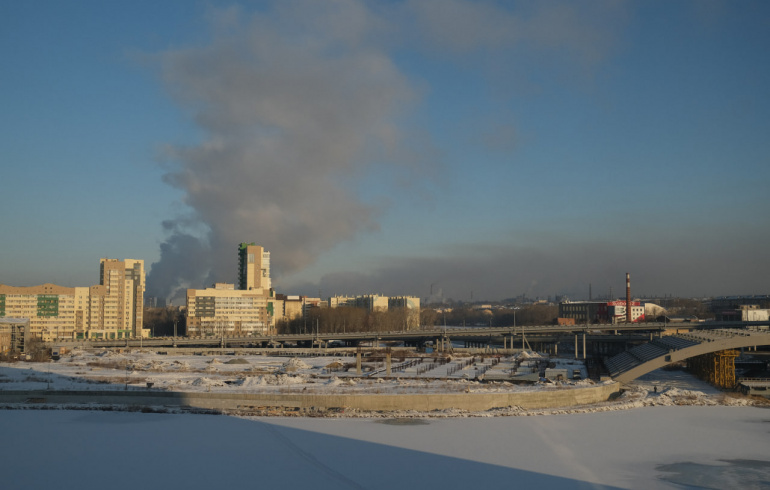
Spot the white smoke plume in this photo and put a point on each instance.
(291, 105)
(296, 100)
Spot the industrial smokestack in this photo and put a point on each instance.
(628, 297)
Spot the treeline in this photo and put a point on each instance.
(160, 321)
(341, 320)
(349, 319)
(503, 317)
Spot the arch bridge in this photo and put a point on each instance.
(664, 350)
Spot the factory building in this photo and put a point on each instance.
(589, 312)
(732, 303)
(743, 313)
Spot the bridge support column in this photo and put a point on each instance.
(576, 347)
(584, 345)
(358, 361)
(718, 368)
(388, 364)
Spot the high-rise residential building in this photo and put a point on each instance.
(224, 310)
(253, 267)
(124, 282)
(111, 310)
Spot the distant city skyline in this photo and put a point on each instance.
(490, 149)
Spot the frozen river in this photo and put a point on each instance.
(650, 447)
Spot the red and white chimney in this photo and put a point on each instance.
(628, 297)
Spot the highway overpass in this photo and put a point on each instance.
(506, 335)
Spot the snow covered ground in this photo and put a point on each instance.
(133, 370)
(667, 430)
(81, 370)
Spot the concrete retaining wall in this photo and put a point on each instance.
(546, 398)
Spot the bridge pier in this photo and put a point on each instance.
(358, 361)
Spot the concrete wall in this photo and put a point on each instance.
(545, 398)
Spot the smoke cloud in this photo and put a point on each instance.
(291, 106)
(686, 263)
(295, 102)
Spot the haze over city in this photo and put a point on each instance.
(469, 149)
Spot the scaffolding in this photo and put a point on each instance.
(718, 368)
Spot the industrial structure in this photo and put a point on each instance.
(717, 368)
(590, 312)
(724, 303)
(110, 310)
(748, 313)
(613, 311)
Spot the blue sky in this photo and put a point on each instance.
(484, 149)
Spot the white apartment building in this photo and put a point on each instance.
(223, 310)
(110, 310)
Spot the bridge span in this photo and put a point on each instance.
(493, 334)
(659, 352)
